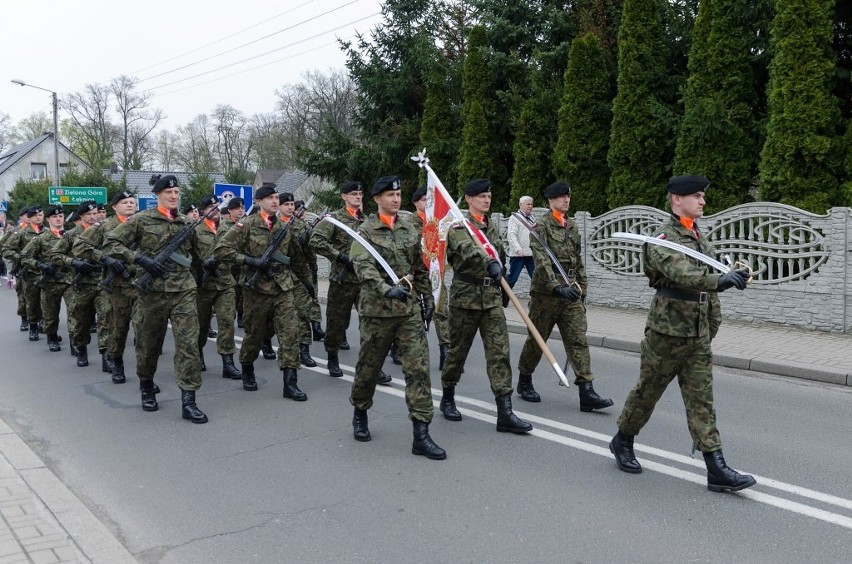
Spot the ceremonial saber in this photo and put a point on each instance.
(421, 160)
(547, 249)
(370, 249)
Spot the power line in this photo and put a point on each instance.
(223, 38)
(262, 54)
(250, 42)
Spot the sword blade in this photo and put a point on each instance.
(697, 255)
(367, 246)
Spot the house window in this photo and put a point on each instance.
(38, 171)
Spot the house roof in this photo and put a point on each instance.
(18, 152)
(137, 180)
(286, 180)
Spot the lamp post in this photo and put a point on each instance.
(55, 128)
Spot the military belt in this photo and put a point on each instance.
(484, 281)
(680, 295)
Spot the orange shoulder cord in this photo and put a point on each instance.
(388, 220)
(211, 225)
(560, 217)
(121, 218)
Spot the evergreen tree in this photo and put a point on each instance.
(801, 159)
(717, 135)
(532, 148)
(439, 131)
(642, 124)
(584, 120)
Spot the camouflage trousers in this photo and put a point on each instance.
(20, 290)
(103, 309)
(663, 358)
(409, 337)
(549, 311)
(442, 317)
(304, 306)
(153, 313)
(259, 311)
(338, 313)
(491, 324)
(225, 304)
(123, 302)
(32, 295)
(51, 305)
(81, 313)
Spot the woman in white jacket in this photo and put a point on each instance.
(520, 255)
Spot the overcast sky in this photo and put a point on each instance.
(62, 45)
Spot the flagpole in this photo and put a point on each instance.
(504, 284)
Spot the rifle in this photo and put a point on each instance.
(41, 280)
(106, 283)
(143, 283)
(267, 256)
(75, 283)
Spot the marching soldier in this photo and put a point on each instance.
(215, 291)
(138, 241)
(103, 308)
(11, 247)
(684, 317)
(314, 310)
(234, 211)
(476, 305)
(121, 294)
(26, 277)
(553, 301)
(53, 281)
(271, 298)
(387, 316)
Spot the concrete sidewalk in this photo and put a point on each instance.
(787, 351)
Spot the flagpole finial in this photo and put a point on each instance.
(420, 158)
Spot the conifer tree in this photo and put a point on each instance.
(475, 154)
(532, 148)
(438, 130)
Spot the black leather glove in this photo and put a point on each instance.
(400, 293)
(344, 258)
(152, 266)
(504, 297)
(210, 264)
(428, 314)
(311, 292)
(82, 267)
(568, 292)
(47, 268)
(495, 270)
(256, 262)
(115, 265)
(733, 279)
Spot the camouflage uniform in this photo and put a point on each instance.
(53, 289)
(9, 246)
(225, 224)
(476, 304)
(81, 296)
(547, 309)
(218, 293)
(169, 299)
(385, 321)
(442, 311)
(26, 277)
(272, 300)
(677, 337)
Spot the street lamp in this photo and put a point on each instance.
(55, 128)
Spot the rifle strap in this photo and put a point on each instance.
(281, 258)
(180, 259)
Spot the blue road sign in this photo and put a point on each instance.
(146, 200)
(228, 191)
(4, 206)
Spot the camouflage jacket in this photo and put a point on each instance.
(207, 240)
(300, 228)
(468, 259)
(63, 254)
(225, 225)
(40, 249)
(564, 242)
(667, 268)
(147, 232)
(13, 250)
(400, 247)
(250, 237)
(330, 241)
(89, 245)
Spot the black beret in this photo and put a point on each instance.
(478, 186)
(235, 203)
(54, 210)
(123, 195)
(269, 185)
(351, 186)
(23, 212)
(209, 200)
(419, 193)
(557, 189)
(87, 206)
(101, 207)
(32, 211)
(685, 185)
(264, 191)
(188, 208)
(285, 197)
(160, 182)
(299, 204)
(384, 184)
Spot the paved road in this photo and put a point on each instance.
(273, 480)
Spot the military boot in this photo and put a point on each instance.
(423, 443)
(507, 421)
(526, 390)
(41, 325)
(359, 426)
(589, 398)
(239, 320)
(53, 343)
(448, 405)
(229, 370)
(721, 478)
(71, 346)
(190, 410)
(106, 361)
(267, 350)
(621, 446)
(442, 356)
(118, 376)
(249, 383)
(316, 330)
(394, 354)
(25, 325)
(149, 397)
(33, 332)
(201, 363)
(291, 388)
(334, 366)
(155, 387)
(94, 327)
(344, 346)
(82, 357)
(384, 379)
(305, 356)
